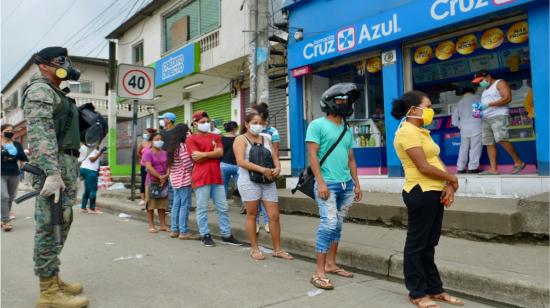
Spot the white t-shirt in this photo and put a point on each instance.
(87, 163)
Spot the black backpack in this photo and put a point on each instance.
(260, 156)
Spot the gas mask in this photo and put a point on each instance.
(63, 68)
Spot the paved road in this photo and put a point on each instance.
(121, 265)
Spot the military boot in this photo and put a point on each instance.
(52, 297)
(69, 288)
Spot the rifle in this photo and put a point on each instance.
(57, 208)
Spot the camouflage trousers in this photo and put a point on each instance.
(46, 252)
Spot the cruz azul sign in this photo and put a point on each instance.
(412, 18)
(181, 63)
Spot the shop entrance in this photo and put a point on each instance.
(443, 67)
(367, 121)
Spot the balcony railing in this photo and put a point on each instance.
(209, 40)
(102, 104)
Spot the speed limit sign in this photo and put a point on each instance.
(137, 82)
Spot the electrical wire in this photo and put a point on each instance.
(12, 12)
(89, 23)
(26, 55)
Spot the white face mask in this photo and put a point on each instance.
(158, 144)
(161, 123)
(204, 127)
(256, 129)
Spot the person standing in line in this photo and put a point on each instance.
(470, 132)
(206, 150)
(180, 165)
(428, 188)
(156, 192)
(89, 171)
(228, 163)
(336, 181)
(167, 122)
(145, 145)
(48, 110)
(12, 154)
(253, 192)
(263, 110)
(495, 99)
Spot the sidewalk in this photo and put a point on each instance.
(512, 274)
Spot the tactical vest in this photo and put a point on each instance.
(65, 118)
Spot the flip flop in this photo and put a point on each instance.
(424, 303)
(446, 298)
(341, 272)
(487, 172)
(518, 169)
(153, 230)
(321, 282)
(282, 255)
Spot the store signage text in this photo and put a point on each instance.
(181, 63)
(406, 20)
(346, 39)
(301, 71)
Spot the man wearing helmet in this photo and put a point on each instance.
(336, 181)
(54, 142)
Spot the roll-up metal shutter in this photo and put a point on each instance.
(278, 113)
(179, 111)
(218, 108)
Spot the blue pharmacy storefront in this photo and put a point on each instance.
(435, 46)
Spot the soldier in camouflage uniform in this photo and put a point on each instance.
(54, 140)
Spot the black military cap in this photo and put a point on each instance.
(49, 53)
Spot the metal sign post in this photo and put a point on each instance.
(137, 83)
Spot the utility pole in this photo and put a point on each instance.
(253, 26)
(262, 53)
(112, 118)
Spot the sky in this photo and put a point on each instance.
(80, 25)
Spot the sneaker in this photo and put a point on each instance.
(474, 171)
(207, 241)
(230, 240)
(174, 234)
(461, 171)
(266, 228)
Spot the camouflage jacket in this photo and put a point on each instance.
(40, 102)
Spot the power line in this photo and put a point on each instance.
(46, 34)
(12, 12)
(89, 23)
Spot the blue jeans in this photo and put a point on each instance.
(90, 187)
(180, 209)
(170, 196)
(261, 210)
(332, 213)
(229, 171)
(217, 193)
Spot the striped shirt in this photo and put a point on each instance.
(180, 173)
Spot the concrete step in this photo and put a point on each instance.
(485, 218)
(515, 274)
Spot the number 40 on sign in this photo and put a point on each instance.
(136, 82)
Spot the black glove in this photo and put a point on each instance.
(103, 149)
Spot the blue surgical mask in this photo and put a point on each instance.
(12, 150)
(256, 129)
(484, 84)
(158, 144)
(146, 137)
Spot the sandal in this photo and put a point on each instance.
(340, 272)
(153, 230)
(283, 255)
(7, 227)
(424, 302)
(188, 236)
(174, 234)
(256, 254)
(518, 169)
(164, 229)
(321, 282)
(446, 298)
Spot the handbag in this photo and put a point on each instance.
(156, 191)
(260, 156)
(306, 180)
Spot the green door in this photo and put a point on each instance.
(218, 108)
(179, 111)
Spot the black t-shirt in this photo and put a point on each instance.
(9, 162)
(228, 155)
(166, 136)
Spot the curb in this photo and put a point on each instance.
(510, 289)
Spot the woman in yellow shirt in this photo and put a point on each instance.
(428, 188)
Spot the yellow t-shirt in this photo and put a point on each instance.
(410, 136)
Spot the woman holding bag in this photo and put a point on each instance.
(256, 183)
(156, 183)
